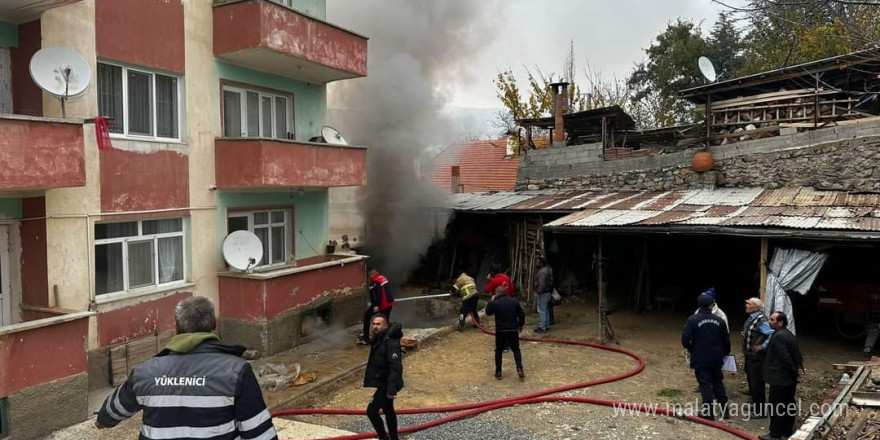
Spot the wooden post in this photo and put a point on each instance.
(763, 264)
(601, 290)
(708, 120)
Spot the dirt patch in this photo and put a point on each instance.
(459, 367)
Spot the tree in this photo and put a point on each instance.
(671, 65)
(725, 47)
(781, 33)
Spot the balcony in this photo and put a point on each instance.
(266, 36)
(40, 153)
(268, 163)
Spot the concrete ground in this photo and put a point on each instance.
(332, 356)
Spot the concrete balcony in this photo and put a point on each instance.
(266, 36)
(40, 153)
(261, 163)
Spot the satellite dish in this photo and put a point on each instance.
(332, 136)
(707, 69)
(61, 72)
(242, 250)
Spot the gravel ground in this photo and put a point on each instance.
(472, 428)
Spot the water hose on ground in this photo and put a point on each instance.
(466, 410)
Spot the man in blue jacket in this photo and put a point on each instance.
(385, 373)
(705, 336)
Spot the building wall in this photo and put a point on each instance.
(835, 158)
(129, 30)
(309, 100)
(69, 231)
(311, 211)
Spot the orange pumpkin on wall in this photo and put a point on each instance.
(703, 162)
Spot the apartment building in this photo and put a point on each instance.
(215, 109)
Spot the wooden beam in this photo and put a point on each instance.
(601, 290)
(763, 263)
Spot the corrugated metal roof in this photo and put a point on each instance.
(794, 208)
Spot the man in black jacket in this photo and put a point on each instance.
(385, 373)
(783, 369)
(705, 336)
(197, 387)
(509, 321)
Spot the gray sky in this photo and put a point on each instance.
(610, 35)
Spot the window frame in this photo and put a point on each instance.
(288, 232)
(154, 122)
(140, 238)
(242, 90)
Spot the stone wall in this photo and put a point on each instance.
(841, 158)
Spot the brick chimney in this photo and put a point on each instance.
(560, 108)
(456, 180)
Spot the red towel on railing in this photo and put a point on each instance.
(102, 131)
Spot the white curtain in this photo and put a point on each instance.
(791, 269)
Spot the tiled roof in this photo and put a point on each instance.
(483, 166)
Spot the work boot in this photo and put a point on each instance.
(460, 326)
(521, 373)
(498, 375)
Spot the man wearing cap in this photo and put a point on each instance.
(706, 338)
(715, 309)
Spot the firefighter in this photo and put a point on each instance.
(379, 301)
(466, 287)
(497, 278)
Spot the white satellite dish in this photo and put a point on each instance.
(61, 72)
(707, 69)
(332, 136)
(242, 250)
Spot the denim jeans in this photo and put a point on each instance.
(543, 310)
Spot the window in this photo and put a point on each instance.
(137, 254)
(270, 227)
(141, 103)
(252, 113)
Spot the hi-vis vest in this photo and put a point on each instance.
(465, 286)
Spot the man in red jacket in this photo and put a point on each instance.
(380, 301)
(498, 279)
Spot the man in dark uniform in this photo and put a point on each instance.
(706, 338)
(783, 369)
(755, 337)
(509, 321)
(385, 373)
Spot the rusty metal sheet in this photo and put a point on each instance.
(722, 211)
(632, 202)
(666, 201)
(619, 197)
(842, 212)
(631, 217)
(763, 211)
(573, 217)
(811, 197)
(537, 202)
(598, 200)
(691, 208)
(777, 197)
(847, 199)
(792, 222)
(869, 224)
(599, 218)
(573, 199)
(502, 202)
(805, 211)
(724, 196)
(667, 217)
(704, 220)
(838, 223)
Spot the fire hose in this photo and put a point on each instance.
(467, 410)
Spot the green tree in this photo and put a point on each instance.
(671, 65)
(725, 47)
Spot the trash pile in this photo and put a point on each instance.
(276, 377)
